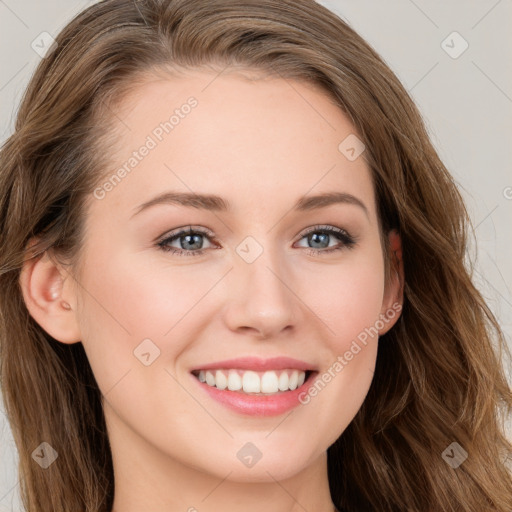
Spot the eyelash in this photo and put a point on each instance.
(348, 241)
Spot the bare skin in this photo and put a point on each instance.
(261, 145)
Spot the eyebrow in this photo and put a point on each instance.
(218, 204)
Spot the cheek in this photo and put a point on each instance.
(122, 305)
(347, 298)
(128, 300)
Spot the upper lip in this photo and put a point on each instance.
(258, 364)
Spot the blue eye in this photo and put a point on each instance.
(191, 237)
(191, 240)
(321, 234)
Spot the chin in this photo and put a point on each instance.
(268, 464)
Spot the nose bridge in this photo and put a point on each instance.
(261, 298)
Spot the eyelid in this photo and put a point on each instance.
(184, 230)
(323, 227)
(347, 241)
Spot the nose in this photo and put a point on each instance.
(260, 299)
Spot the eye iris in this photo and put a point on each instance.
(315, 236)
(198, 245)
(191, 241)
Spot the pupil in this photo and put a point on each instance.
(188, 237)
(315, 236)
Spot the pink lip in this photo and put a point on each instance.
(253, 405)
(257, 364)
(258, 405)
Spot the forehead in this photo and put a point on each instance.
(252, 139)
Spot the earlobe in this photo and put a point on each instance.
(393, 298)
(49, 299)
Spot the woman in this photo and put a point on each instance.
(172, 341)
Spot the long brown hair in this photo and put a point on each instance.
(438, 378)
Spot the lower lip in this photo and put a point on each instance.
(259, 405)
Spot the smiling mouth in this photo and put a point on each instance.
(253, 382)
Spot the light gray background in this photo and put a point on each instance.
(466, 103)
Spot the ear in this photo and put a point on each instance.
(394, 293)
(49, 297)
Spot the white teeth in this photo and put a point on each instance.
(283, 382)
(253, 382)
(269, 382)
(210, 379)
(220, 380)
(234, 381)
(294, 378)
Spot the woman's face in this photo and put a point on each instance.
(250, 287)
